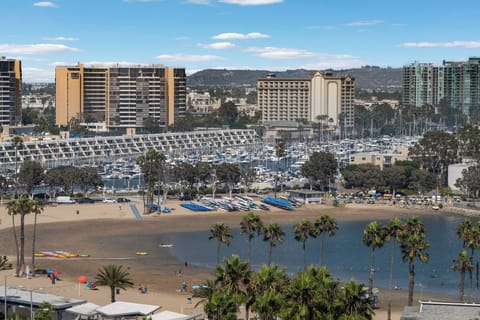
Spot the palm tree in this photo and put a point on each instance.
(267, 285)
(303, 230)
(220, 306)
(37, 209)
(414, 246)
(21, 206)
(115, 277)
(251, 224)
(373, 237)
(325, 225)
(17, 143)
(470, 236)
(462, 264)
(355, 304)
(222, 233)
(234, 278)
(273, 233)
(393, 232)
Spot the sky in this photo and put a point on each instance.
(273, 35)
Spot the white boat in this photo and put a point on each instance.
(165, 245)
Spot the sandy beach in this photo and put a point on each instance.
(97, 229)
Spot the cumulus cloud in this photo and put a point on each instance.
(188, 57)
(450, 44)
(280, 53)
(218, 45)
(42, 48)
(45, 4)
(60, 39)
(251, 2)
(364, 23)
(240, 36)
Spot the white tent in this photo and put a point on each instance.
(170, 315)
(87, 309)
(125, 309)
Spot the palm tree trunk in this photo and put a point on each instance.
(390, 280)
(370, 275)
(22, 241)
(321, 249)
(461, 287)
(34, 237)
(249, 248)
(304, 258)
(17, 269)
(270, 255)
(112, 294)
(470, 278)
(411, 283)
(218, 252)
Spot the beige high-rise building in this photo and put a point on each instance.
(10, 92)
(124, 97)
(322, 97)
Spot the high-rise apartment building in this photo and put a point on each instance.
(320, 96)
(457, 83)
(122, 96)
(10, 92)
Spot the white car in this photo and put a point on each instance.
(107, 200)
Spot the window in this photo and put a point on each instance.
(75, 75)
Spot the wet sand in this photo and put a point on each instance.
(99, 230)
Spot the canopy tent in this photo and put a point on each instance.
(87, 309)
(170, 315)
(126, 309)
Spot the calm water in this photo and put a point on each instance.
(344, 254)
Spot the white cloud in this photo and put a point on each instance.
(364, 23)
(45, 4)
(280, 53)
(240, 36)
(218, 45)
(451, 44)
(30, 74)
(335, 64)
(42, 48)
(188, 57)
(60, 39)
(251, 2)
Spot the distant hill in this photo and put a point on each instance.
(367, 78)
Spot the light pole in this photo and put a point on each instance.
(5, 301)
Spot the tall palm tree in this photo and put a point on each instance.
(21, 206)
(115, 277)
(470, 236)
(273, 233)
(325, 225)
(220, 306)
(222, 233)
(234, 278)
(373, 237)
(267, 285)
(393, 232)
(414, 246)
(37, 208)
(462, 264)
(304, 230)
(251, 224)
(355, 304)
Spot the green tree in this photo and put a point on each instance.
(229, 174)
(17, 144)
(21, 207)
(273, 234)
(86, 178)
(36, 209)
(152, 165)
(321, 168)
(462, 264)
(366, 176)
(268, 284)
(220, 306)
(395, 177)
(30, 175)
(115, 277)
(221, 232)
(251, 224)
(45, 311)
(227, 113)
(304, 230)
(469, 183)
(414, 247)
(356, 306)
(325, 225)
(373, 237)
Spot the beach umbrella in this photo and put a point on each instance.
(82, 279)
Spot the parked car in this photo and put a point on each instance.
(107, 200)
(123, 200)
(86, 200)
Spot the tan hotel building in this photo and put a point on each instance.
(290, 99)
(121, 96)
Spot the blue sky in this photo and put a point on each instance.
(236, 34)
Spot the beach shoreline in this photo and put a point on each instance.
(89, 230)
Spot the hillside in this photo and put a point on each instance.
(367, 78)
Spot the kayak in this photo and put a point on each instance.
(141, 253)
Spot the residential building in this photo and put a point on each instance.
(322, 97)
(121, 96)
(10, 92)
(457, 83)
